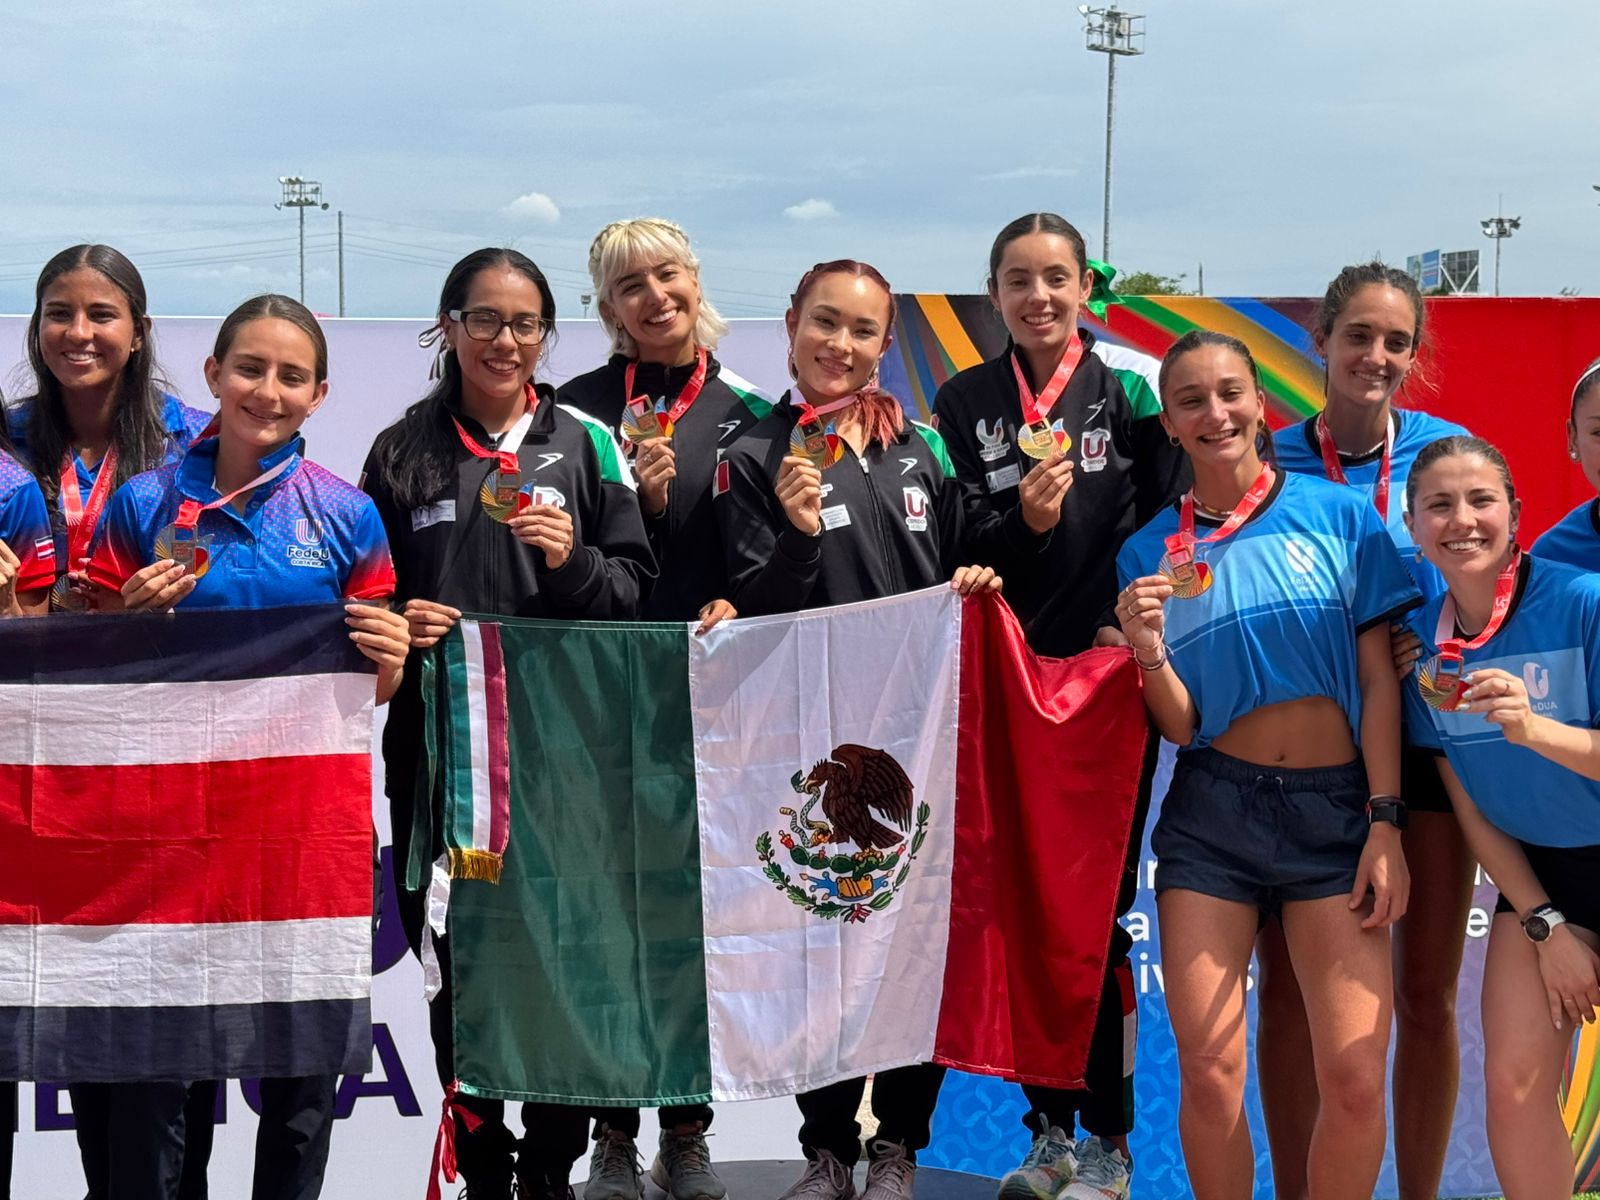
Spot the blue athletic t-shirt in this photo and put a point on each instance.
(305, 537)
(1291, 590)
(1575, 539)
(1551, 641)
(1297, 451)
(183, 424)
(25, 525)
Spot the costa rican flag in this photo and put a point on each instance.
(185, 822)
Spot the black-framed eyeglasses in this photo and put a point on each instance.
(484, 325)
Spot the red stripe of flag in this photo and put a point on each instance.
(494, 686)
(107, 845)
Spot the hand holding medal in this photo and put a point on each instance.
(1141, 612)
(1439, 680)
(799, 491)
(655, 466)
(547, 527)
(1502, 698)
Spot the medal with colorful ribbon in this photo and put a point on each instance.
(82, 520)
(1440, 679)
(642, 420)
(1190, 577)
(1334, 469)
(810, 439)
(181, 541)
(1039, 437)
(501, 494)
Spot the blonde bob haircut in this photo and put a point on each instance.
(625, 246)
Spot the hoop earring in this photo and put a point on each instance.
(1173, 440)
(794, 373)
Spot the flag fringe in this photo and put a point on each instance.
(475, 864)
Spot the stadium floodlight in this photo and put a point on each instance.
(1499, 227)
(1114, 33)
(301, 194)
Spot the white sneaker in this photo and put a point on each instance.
(614, 1169)
(826, 1178)
(889, 1171)
(1046, 1171)
(1103, 1173)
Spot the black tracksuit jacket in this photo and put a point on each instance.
(684, 537)
(892, 521)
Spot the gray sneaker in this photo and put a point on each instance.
(826, 1178)
(1047, 1170)
(683, 1168)
(614, 1169)
(889, 1171)
(1103, 1173)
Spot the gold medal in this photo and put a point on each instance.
(1041, 439)
(1440, 683)
(186, 548)
(824, 447)
(65, 598)
(642, 423)
(1188, 579)
(501, 499)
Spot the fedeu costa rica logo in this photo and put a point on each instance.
(307, 549)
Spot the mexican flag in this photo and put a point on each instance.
(796, 850)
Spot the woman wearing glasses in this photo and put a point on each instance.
(497, 500)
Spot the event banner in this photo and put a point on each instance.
(795, 850)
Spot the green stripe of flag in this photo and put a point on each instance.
(593, 936)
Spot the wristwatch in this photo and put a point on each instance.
(1390, 809)
(1538, 923)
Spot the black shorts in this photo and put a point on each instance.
(1420, 785)
(1568, 874)
(1260, 835)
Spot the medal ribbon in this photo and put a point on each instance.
(1451, 648)
(1334, 469)
(506, 455)
(1035, 411)
(1180, 545)
(83, 519)
(189, 511)
(686, 398)
(810, 412)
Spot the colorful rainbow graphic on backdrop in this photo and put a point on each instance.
(936, 336)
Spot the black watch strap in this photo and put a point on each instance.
(1389, 809)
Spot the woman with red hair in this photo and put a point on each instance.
(888, 520)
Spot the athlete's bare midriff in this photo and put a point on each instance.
(1299, 734)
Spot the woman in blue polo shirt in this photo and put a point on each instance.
(1259, 608)
(1509, 687)
(242, 521)
(1370, 333)
(99, 415)
(1575, 539)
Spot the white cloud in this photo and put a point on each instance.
(811, 210)
(535, 206)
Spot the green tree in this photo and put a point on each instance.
(1148, 283)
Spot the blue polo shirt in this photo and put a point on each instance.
(1551, 641)
(1575, 539)
(25, 525)
(305, 537)
(1292, 589)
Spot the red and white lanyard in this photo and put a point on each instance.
(1452, 648)
(1036, 410)
(686, 398)
(82, 519)
(1180, 545)
(1334, 469)
(506, 454)
(189, 511)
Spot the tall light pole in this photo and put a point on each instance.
(301, 194)
(1114, 33)
(1499, 227)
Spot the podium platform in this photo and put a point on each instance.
(767, 1179)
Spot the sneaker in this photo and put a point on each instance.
(614, 1172)
(826, 1178)
(1047, 1169)
(683, 1169)
(1103, 1173)
(889, 1171)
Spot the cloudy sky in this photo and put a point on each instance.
(1272, 141)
